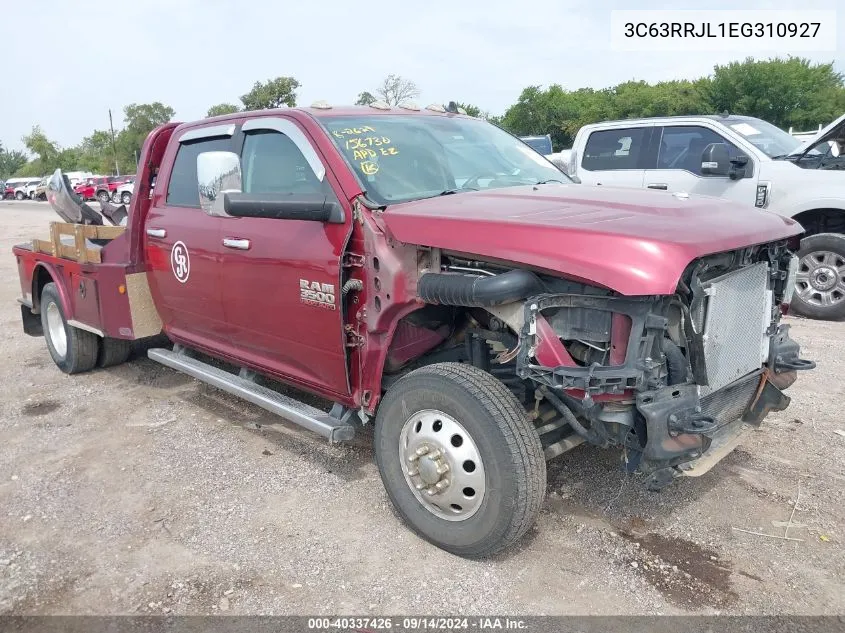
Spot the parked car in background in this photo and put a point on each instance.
(123, 193)
(76, 177)
(742, 159)
(102, 187)
(22, 187)
(41, 189)
(29, 189)
(541, 144)
(805, 136)
(85, 188)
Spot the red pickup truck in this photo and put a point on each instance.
(101, 188)
(430, 274)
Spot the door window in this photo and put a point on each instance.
(182, 190)
(616, 149)
(681, 147)
(272, 163)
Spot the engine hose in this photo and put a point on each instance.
(352, 284)
(477, 291)
(676, 362)
(588, 434)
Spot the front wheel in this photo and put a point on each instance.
(103, 196)
(73, 350)
(459, 458)
(126, 198)
(19, 195)
(820, 281)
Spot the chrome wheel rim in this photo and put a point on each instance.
(56, 329)
(442, 465)
(820, 280)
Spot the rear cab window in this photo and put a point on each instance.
(622, 148)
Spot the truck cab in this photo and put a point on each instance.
(427, 273)
(742, 159)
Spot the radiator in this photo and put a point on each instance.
(738, 313)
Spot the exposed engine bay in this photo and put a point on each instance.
(672, 380)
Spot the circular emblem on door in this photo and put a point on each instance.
(180, 262)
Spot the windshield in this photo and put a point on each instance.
(408, 157)
(769, 139)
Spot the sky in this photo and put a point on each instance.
(73, 61)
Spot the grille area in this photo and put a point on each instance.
(728, 405)
(738, 313)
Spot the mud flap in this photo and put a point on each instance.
(31, 322)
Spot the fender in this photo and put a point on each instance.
(816, 204)
(61, 285)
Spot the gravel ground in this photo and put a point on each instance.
(138, 490)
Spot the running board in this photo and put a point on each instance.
(311, 418)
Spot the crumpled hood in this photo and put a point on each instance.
(633, 241)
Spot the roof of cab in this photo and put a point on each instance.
(316, 113)
(725, 118)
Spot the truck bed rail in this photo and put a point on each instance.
(78, 248)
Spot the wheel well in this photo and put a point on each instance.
(40, 278)
(817, 221)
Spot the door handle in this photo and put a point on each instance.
(156, 232)
(657, 185)
(240, 244)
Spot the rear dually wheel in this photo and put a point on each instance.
(73, 350)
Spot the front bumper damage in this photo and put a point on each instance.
(668, 428)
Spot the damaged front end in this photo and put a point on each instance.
(674, 380)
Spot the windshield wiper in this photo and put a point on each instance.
(449, 192)
(550, 180)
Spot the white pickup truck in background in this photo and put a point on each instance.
(743, 159)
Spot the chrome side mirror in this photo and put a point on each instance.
(217, 173)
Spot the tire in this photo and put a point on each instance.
(126, 198)
(113, 351)
(103, 196)
(77, 351)
(820, 284)
(506, 489)
(19, 195)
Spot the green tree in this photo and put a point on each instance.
(10, 161)
(365, 98)
(274, 93)
(562, 112)
(222, 108)
(96, 155)
(140, 119)
(785, 92)
(394, 90)
(45, 150)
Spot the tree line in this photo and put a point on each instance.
(791, 92)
